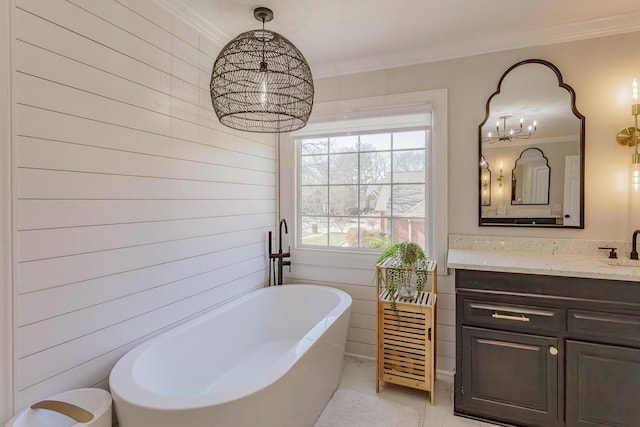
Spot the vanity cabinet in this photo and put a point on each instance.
(546, 351)
(603, 385)
(498, 364)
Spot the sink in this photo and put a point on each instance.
(621, 262)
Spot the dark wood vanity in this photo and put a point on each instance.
(537, 350)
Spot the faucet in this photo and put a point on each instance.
(280, 256)
(281, 261)
(286, 231)
(634, 251)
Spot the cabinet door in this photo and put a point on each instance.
(603, 385)
(509, 377)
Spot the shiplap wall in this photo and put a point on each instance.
(6, 307)
(355, 275)
(134, 209)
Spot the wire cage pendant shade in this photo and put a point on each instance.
(261, 82)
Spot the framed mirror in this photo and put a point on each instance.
(530, 178)
(533, 128)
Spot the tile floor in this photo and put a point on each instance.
(360, 375)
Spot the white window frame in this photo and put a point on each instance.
(394, 125)
(437, 192)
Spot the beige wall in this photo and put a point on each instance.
(599, 70)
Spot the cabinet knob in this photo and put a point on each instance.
(553, 350)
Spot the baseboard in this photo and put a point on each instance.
(442, 374)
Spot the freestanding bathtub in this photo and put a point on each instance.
(272, 357)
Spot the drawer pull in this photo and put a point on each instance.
(521, 318)
(553, 350)
(511, 309)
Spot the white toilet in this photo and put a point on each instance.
(75, 408)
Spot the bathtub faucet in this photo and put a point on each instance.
(286, 231)
(280, 256)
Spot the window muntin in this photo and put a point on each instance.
(363, 190)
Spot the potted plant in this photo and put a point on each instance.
(400, 263)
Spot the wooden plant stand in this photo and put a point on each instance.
(407, 336)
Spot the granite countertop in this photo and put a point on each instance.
(536, 256)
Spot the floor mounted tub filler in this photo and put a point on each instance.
(272, 357)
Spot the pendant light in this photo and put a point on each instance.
(261, 82)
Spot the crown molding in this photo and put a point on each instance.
(472, 46)
(595, 28)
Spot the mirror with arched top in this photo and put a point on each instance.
(530, 178)
(532, 111)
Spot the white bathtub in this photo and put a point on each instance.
(270, 358)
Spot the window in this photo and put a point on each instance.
(373, 120)
(363, 189)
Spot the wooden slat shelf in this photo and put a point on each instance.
(407, 334)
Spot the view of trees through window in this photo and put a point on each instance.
(363, 190)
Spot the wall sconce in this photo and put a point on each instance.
(500, 178)
(628, 137)
(485, 178)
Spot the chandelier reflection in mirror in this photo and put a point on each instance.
(261, 82)
(505, 134)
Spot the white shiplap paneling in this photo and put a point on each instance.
(6, 217)
(135, 209)
(358, 279)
